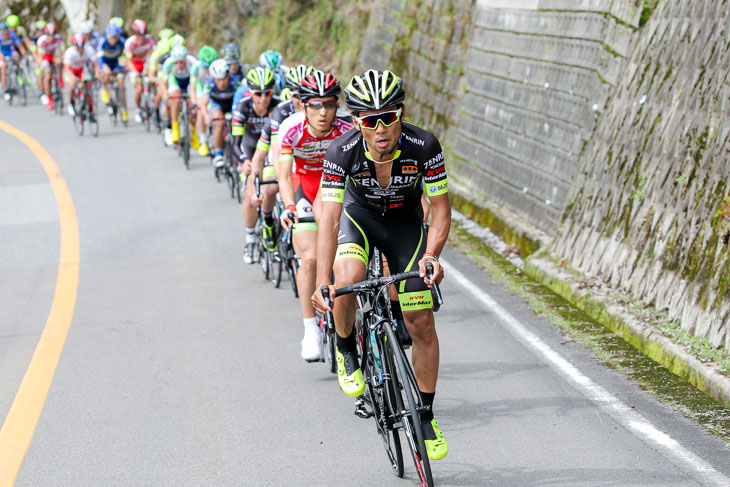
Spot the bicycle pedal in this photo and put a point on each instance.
(362, 412)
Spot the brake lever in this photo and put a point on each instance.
(435, 291)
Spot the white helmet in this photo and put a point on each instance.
(87, 27)
(219, 69)
(178, 53)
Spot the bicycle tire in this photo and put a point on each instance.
(331, 351)
(276, 270)
(90, 113)
(145, 108)
(24, 95)
(186, 140)
(293, 269)
(404, 383)
(117, 98)
(383, 406)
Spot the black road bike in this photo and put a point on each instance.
(116, 98)
(183, 144)
(83, 104)
(56, 92)
(261, 254)
(16, 84)
(392, 395)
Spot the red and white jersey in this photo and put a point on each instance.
(307, 150)
(137, 50)
(50, 45)
(77, 60)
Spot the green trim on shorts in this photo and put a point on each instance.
(402, 287)
(303, 227)
(415, 301)
(364, 237)
(351, 250)
(268, 173)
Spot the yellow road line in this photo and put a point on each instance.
(20, 424)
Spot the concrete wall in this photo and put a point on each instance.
(512, 88)
(649, 210)
(537, 75)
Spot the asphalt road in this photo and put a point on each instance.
(182, 366)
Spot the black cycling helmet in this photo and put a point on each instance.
(260, 78)
(319, 85)
(295, 76)
(374, 90)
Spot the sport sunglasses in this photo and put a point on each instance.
(262, 93)
(316, 105)
(386, 118)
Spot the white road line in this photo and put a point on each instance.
(698, 468)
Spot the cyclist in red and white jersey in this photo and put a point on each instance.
(50, 47)
(138, 48)
(76, 61)
(305, 137)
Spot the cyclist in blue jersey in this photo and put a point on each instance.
(92, 37)
(10, 47)
(216, 100)
(110, 58)
(232, 54)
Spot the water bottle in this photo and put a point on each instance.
(376, 355)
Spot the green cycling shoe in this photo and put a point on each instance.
(436, 446)
(349, 374)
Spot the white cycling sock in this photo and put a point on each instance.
(310, 322)
(250, 235)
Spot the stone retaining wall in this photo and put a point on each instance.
(649, 209)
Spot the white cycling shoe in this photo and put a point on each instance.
(312, 344)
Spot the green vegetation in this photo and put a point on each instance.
(325, 33)
(649, 7)
(30, 11)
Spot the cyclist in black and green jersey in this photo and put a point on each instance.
(267, 149)
(385, 162)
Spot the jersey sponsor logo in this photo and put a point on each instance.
(414, 140)
(409, 170)
(331, 177)
(331, 166)
(436, 171)
(395, 205)
(435, 160)
(402, 179)
(349, 146)
(438, 188)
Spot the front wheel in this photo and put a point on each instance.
(383, 399)
(276, 268)
(293, 269)
(408, 402)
